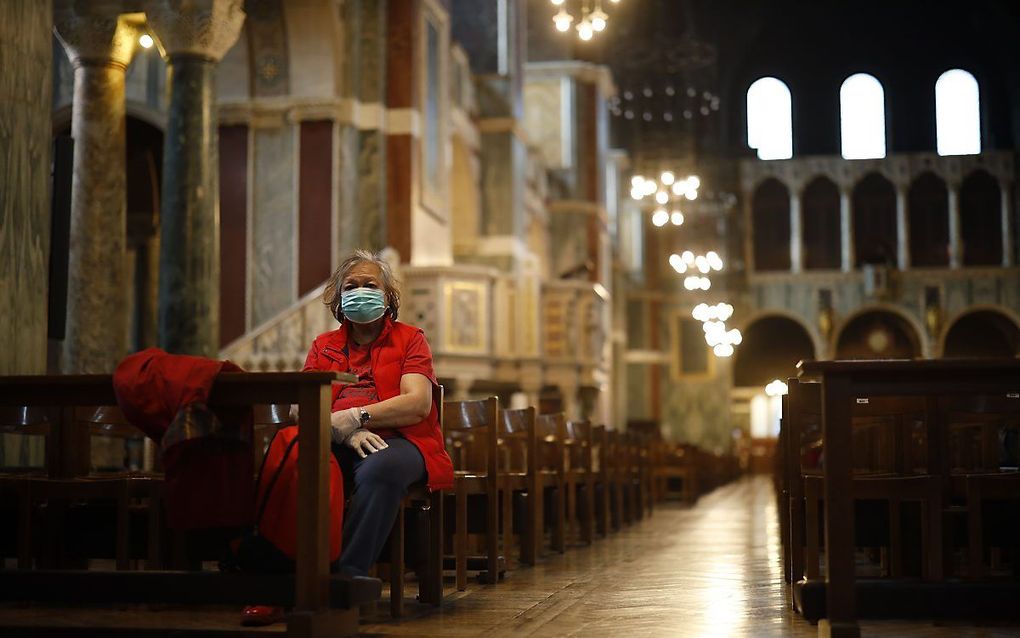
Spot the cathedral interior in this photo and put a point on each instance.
(651, 216)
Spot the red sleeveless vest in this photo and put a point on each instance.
(387, 354)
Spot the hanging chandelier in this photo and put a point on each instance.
(593, 19)
(668, 192)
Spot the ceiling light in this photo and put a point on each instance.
(598, 20)
(585, 30)
(677, 218)
(667, 178)
(562, 20)
(660, 217)
(145, 40)
(662, 197)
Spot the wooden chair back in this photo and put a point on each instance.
(549, 429)
(577, 439)
(470, 428)
(30, 424)
(517, 439)
(268, 419)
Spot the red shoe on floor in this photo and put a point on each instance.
(261, 615)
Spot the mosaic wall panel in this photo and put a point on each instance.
(273, 232)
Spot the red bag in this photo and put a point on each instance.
(277, 496)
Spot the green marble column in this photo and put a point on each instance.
(100, 44)
(194, 36)
(189, 261)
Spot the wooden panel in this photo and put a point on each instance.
(233, 230)
(315, 189)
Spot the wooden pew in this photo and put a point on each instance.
(550, 477)
(518, 448)
(322, 604)
(843, 382)
(429, 504)
(580, 480)
(471, 431)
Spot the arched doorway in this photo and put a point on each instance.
(874, 209)
(770, 221)
(820, 212)
(929, 221)
(144, 170)
(878, 334)
(981, 220)
(771, 347)
(982, 334)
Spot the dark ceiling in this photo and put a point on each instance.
(682, 66)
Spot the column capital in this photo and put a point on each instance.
(96, 32)
(206, 28)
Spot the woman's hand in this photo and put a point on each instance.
(365, 442)
(344, 423)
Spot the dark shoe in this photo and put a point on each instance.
(261, 615)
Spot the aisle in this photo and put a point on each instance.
(708, 570)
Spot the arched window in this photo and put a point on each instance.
(862, 117)
(957, 114)
(770, 119)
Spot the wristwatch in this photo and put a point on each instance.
(364, 416)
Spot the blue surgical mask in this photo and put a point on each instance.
(363, 305)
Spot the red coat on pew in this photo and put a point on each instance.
(207, 454)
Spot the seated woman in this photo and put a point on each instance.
(386, 431)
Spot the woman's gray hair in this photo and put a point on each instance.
(331, 296)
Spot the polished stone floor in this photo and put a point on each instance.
(708, 570)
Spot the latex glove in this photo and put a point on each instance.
(365, 442)
(344, 422)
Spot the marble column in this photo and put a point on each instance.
(902, 230)
(955, 240)
(100, 43)
(25, 136)
(846, 228)
(194, 36)
(1007, 225)
(796, 234)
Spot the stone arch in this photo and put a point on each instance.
(981, 332)
(819, 204)
(773, 343)
(874, 213)
(879, 332)
(981, 219)
(928, 214)
(770, 226)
